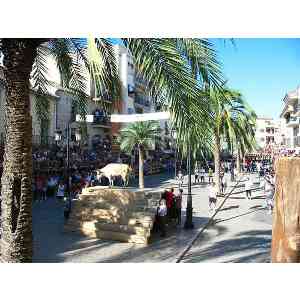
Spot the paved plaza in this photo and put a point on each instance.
(241, 232)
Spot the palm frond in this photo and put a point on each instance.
(202, 58)
(106, 75)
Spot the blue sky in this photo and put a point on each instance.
(264, 70)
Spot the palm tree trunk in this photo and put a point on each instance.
(217, 156)
(16, 193)
(141, 168)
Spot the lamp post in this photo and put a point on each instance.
(189, 206)
(58, 138)
(174, 135)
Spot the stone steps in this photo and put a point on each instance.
(114, 214)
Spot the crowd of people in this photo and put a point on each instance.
(264, 167)
(50, 168)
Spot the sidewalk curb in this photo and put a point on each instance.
(197, 235)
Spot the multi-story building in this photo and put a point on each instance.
(134, 98)
(290, 119)
(267, 132)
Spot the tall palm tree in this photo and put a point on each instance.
(232, 118)
(140, 135)
(243, 140)
(169, 65)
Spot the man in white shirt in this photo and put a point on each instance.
(180, 178)
(248, 187)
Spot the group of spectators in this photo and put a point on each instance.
(169, 210)
(50, 168)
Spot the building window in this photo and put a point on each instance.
(262, 139)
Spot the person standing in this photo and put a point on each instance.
(212, 197)
(269, 189)
(60, 191)
(248, 187)
(180, 179)
(178, 206)
(223, 184)
(202, 175)
(161, 217)
(196, 174)
(170, 204)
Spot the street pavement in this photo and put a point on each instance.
(241, 233)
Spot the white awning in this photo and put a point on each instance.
(117, 118)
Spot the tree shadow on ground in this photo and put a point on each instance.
(49, 239)
(52, 244)
(240, 215)
(162, 249)
(241, 245)
(229, 207)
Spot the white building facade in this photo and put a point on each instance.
(267, 132)
(290, 120)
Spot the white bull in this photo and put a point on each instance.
(113, 170)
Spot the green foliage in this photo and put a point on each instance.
(176, 70)
(234, 119)
(139, 134)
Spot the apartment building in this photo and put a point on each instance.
(290, 119)
(267, 132)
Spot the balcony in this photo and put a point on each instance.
(292, 122)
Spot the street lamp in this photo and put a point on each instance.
(174, 136)
(58, 138)
(189, 206)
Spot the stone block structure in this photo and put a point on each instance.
(286, 218)
(119, 214)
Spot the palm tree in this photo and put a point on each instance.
(243, 140)
(140, 135)
(169, 65)
(232, 121)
